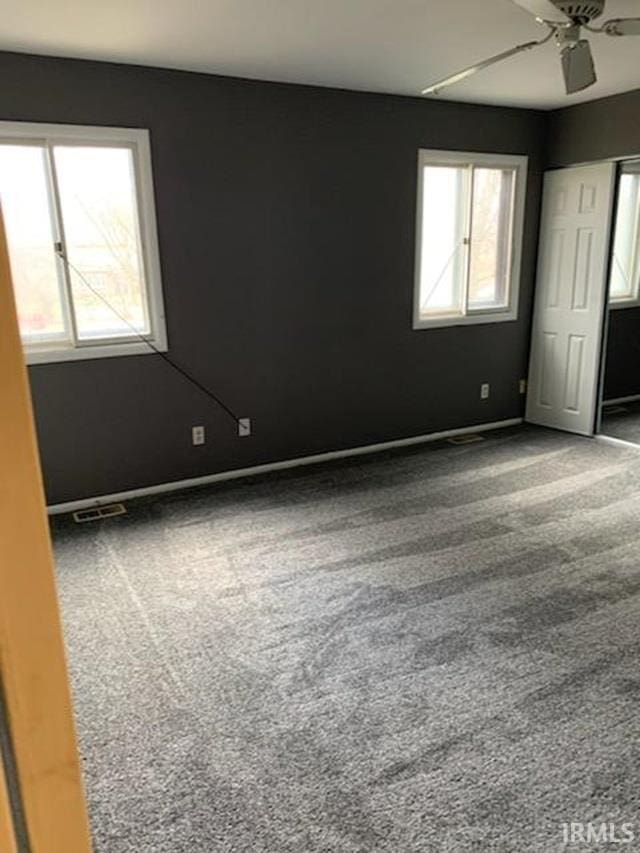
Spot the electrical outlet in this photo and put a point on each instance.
(244, 427)
(484, 391)
(523, 386)
(197, 435)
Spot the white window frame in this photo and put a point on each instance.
(632, 301)
(616, 304)
(519, 163)
(137, 141)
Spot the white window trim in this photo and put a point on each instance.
(632, 301)
(624, 302)
(431, 157)
(138, 141)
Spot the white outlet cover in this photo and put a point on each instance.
(197, 435)
(244, 427)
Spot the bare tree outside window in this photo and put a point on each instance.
(468, 249)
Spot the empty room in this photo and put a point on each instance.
(320, 426)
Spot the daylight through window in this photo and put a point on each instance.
(84, 268)
(468, 242)
(624, 280)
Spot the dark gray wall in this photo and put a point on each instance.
(286, 226)
(602, 130)
(622, 365)
(598, 130)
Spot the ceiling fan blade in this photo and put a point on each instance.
(577, 67)
(480, 66)
(622, 27)
(543, 9)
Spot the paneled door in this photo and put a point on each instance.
(570, 297)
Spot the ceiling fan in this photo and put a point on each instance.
(564, 19)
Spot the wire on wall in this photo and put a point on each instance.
(163, 355)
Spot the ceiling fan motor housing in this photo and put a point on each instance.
(580, 11)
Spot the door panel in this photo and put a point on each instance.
(570, 297)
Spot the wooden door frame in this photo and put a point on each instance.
(7, 831)
(33, 669)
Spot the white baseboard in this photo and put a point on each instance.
(617, 400)
(71, 506)
(619, 442)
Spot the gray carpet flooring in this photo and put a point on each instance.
(622, 421)
(429, 650)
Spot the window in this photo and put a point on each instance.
(469, 233)
(80, 223)
(624, 277)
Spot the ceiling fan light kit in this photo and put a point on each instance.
(564, 20)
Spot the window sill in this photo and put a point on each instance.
(50, 356)
(624, 303)
(466, 320)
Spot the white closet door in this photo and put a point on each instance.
(571, 290)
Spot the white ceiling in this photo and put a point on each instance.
(374, 45)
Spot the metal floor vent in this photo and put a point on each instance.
(614, 410)
(468, 438)
(95, 513)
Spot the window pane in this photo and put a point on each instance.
(623, 281)
(442, 260)
(491, 226)
(97, 196)
(35, 271)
